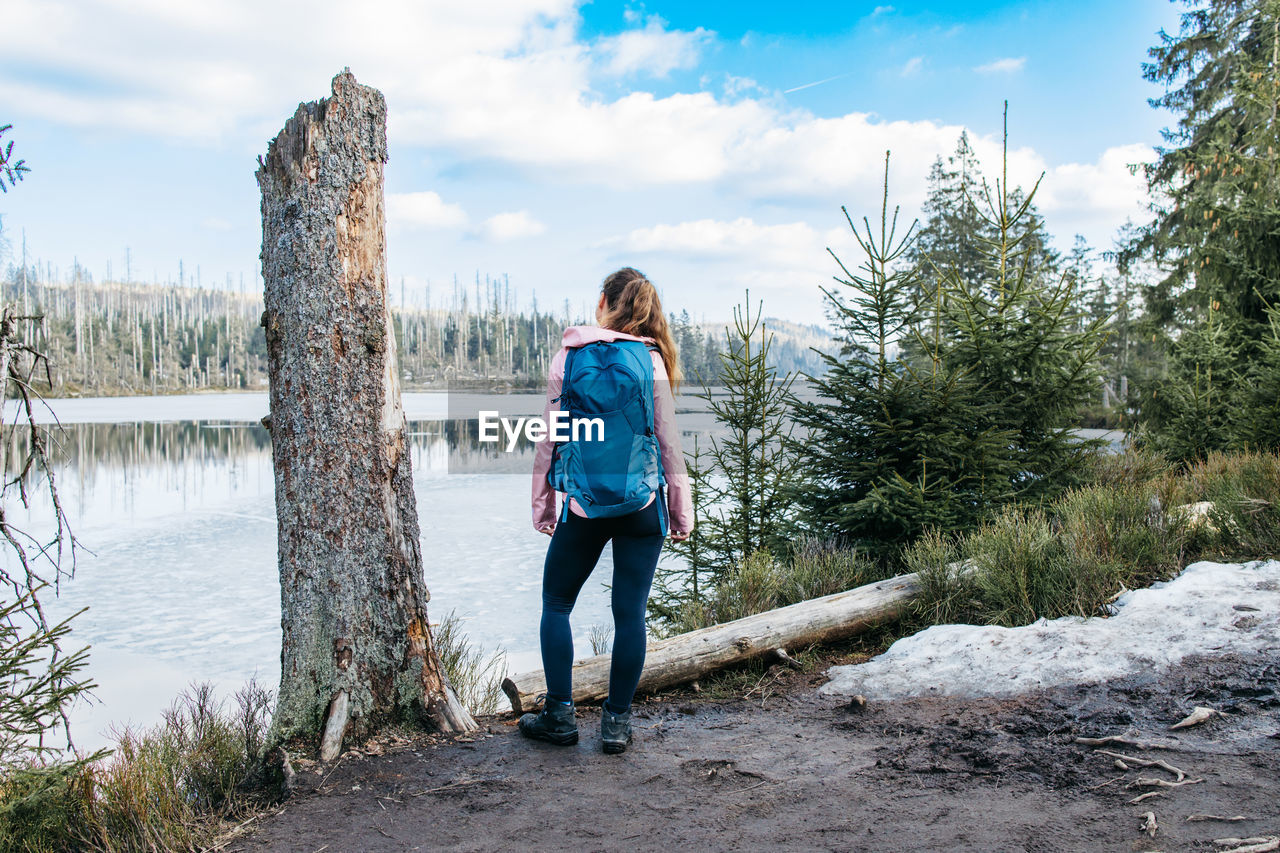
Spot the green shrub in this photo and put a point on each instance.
(815, 567)
(1068, 560)
(752, 586)
(1126, 526)
(821, 566)
(1021, 573)
(947, 590)
(1133, 467)
(42, 807)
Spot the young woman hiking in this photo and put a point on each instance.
(628, 310)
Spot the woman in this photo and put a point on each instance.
(628, 310)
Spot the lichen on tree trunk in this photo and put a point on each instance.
(353, 600)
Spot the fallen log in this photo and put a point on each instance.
(686, 656)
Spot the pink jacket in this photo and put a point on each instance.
(679, 501)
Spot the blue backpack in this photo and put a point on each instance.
(611, 467)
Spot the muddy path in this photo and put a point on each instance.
(807, 772)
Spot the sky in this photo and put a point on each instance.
(711, 145)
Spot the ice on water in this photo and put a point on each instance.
(182, 583)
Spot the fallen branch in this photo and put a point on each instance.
(685, 657)
(1229, 842)
(1149, 825)
(1194, 818)
(1123, 740)
(1148, 795)
(1198, 715)
(332, 770)
(1147, 762)
(232, 834)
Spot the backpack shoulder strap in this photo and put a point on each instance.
(652, 383)
(563, 399)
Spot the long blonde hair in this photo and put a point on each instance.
(631, 305)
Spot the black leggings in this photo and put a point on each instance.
(574, 550)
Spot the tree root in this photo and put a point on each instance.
(1149, 825)
(1123, 740)
(1256, 844)
(1193, 818)
(1148, 782)
(1147, 762)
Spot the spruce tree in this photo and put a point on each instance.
(681, 587)
(1024, 337)
(955, 239)
(1215, 234)
(953, 230)
(741, 479)
(750, 462)
(893, 447)
(1259, 420)
(1217, 179)
(1197, 408)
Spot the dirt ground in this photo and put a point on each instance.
(807, 772)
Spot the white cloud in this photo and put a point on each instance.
(653, 49)
(216, 223)
(1008, 65)
(511, 82)
(712, 239)
(511, 225)
(1095, 198)
(735, 86)
(783, 263)
(423, 210)
(913, 66)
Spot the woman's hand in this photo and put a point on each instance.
(548, 529)
(679, 535)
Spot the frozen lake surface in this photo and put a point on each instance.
(172, 498)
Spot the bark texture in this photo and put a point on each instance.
(357, 651)
(684, 657)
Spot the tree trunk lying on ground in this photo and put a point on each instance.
(687, 656)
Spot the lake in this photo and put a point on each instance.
(172, 499)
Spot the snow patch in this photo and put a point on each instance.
(1211, 609)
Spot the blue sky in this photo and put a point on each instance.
(553, 141)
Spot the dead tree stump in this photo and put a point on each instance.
(357, 651)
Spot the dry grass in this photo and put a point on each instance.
(1125, 531)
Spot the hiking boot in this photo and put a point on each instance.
(555, 723)
(615, 730)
